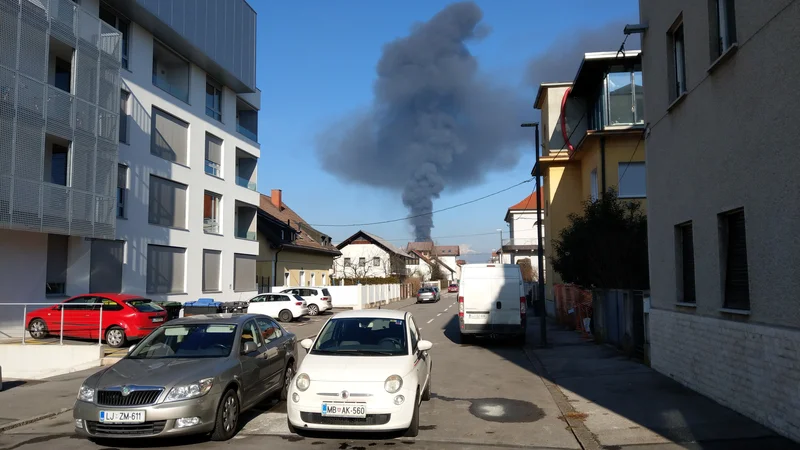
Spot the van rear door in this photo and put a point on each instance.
(506, 317)
(491, 296)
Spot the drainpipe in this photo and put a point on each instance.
(275, 267)
(603, 165)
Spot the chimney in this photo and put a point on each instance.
(276, 198)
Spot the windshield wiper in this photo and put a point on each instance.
(366, 352)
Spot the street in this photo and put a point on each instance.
(483, 396)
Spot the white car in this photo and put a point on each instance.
(367, 370)
(284, 307)
(318, 299)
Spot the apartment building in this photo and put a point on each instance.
(128, 149)
(722, 183)
(523, 241)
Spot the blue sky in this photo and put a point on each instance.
(316, 64)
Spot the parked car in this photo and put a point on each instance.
(285, 307)
(491, 302)
(427, 294)
(124, 318)
(192, 375)
(388, 374)
(452, 288)
(318, 299)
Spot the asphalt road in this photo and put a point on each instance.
(484, 396)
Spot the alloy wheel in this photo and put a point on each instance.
(229, 413)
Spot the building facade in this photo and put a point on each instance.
(592, 139)
(124, 117)
(722, 178)
(365, 255)
(522, 229)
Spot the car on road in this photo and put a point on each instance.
(318, 299)
(427, 294)
(491, 302)
(192, 375)
(284, 307)
(367, 370)
(118, 318)
(452, 288)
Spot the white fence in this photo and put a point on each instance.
(363, 296)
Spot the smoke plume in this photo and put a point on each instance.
(435, 123)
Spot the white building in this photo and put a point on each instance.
(523, 237)
(365, 255)
(137, 174)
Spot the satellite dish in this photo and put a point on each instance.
(572, 119)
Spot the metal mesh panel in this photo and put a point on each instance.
(62, 23)
(109, 84)
(85, 114)
(110, 41)
(83, 162)
(105, 169)
(27, 201)
(108, 124)
(5, 200)
(31, 97)
(55, 208)
(9, 13)
(7, 116)
(33, 42)
(82, 213)
(106, 217)
(29, 150)
(88, 28)
(59, 110)
(86, 73)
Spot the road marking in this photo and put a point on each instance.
(430, 321)
(438, 314)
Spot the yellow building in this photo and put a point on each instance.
(592, 139)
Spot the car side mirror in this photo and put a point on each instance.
(306, 344)
(249, 347)
(424, 346)
(130, 349)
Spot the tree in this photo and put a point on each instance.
(387, 266)
(528, 274)
(437, 273)
(605, 246)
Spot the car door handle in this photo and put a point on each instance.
(499, 305)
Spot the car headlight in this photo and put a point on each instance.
(302, 382)
(393, 384)
(191, 390)
(86, 394)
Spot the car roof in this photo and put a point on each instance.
(372, 313)
(113, 296)
(226, 318)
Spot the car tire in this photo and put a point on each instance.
(115, 337)
(413, 429)
(38, 329)
(288, 374)
(313, 310)
(227, 420)
(285, 316)
(426, 394)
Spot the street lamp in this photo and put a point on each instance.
(536, 172)
(500, 250)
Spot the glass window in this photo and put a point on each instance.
(165, 269)
(122, 190)
(63, 75)
(414, 333)
(59, 163)
(187, 341)
(725, 25)
(638, 97)
(270, 330)
(123, 116)
(678, 63)
(144, 305)
(620, 99)
(376, 261)
(632, 180)
(108, 305)
(121, 24)
(251, 333)
(56, 271)
(593, 181)
(213, 100)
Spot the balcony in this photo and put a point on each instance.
(521, 244)
(245, 222)
(245, 183)
(211, 212)
(246, 120)
(246, 165)
(170, 72)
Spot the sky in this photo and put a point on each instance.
(316, 65)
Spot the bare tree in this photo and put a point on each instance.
(375, 264)
(528, 274)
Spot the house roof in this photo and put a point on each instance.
(461, 262)
(426, 246)
(447, 250)
(430, 261)
(308, 238)
(379, 241)
(526, 204)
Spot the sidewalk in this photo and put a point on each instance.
(621, 402)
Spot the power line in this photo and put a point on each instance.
(423, 214)
(446, 237)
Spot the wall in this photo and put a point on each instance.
(730, 151)
(24, 258)
(552, 137)
(51, 360)
(523, 227)
(368, 251)
(564, 193)
(364, 296)
(315, 267)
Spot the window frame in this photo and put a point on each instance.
(123, 25)
(216, 207)
(686, 280)
(124, 114)
(677, 60)
(725, 240)
(723, 32)
(183, 251)
(122, 192)
(622, 171)
(217, 87)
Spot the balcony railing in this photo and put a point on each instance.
(175, 91)
(246, 133)
(245, 183)
(522, 242)
(213, 168)
(250, 235)
(210, 225)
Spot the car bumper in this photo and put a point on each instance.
(426, 299)
(300, 312)
(490, 329)
(382, 413)
(160, 419)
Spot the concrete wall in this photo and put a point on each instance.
(732, 140)
(50, 360)
(523, 226)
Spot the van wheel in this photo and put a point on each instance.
(285, 316)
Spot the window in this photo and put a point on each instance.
(678, 62)
(414, 333)
(244, 272)
(632, 180)
(685, 260)
(110, 17)
(246, 120)
(251, 333)
(211, 266)
(213, 155)
(362, 262)
(57, 253)
(211, 212)
(723, 27)
(270, 330)
(63, 75)
(169, 138)
(734, 241)
(59, 163)
(124, 96)
(107, 305)
(593, 184)
(167, 203)
(105, 266)
(213, 100)
(122, 190)
(165, 269)
(347, 262)
(170, 72)
(376, 261)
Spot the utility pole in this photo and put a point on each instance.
(536, 172)
(500, 249)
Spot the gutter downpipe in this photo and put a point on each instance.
(275, 267)
(603, 165)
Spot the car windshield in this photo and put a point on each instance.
(423, 290)
(187, 341)
(362, 336)
(144, 305)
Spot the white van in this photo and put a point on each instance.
(491, 302)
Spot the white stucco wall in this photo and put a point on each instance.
(523, 227)
(367, 251)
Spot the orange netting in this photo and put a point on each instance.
(573, 305)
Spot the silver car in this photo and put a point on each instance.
(428, 294)
(191, 375)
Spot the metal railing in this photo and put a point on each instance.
(63, 306)
(213, 168)
(250, 235)
(210, 225)
(522, 241)
(175, 91)
(246, 132)
(246, 183)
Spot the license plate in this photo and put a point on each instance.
(357, 410)
(121, 416)
(479, 316)
(158, 319)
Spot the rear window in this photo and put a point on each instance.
(425, 290)
(325, 292)
(298, 298)
(145, 305)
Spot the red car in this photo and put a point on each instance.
(125, 317)
(452, 288)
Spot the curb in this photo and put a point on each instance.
(23, 422)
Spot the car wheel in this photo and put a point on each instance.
(413, 429)
(38, 329)
(426, 394)
(288, 374)
(313, 310)
(285, 316)
(115, 337)
(227, 417)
